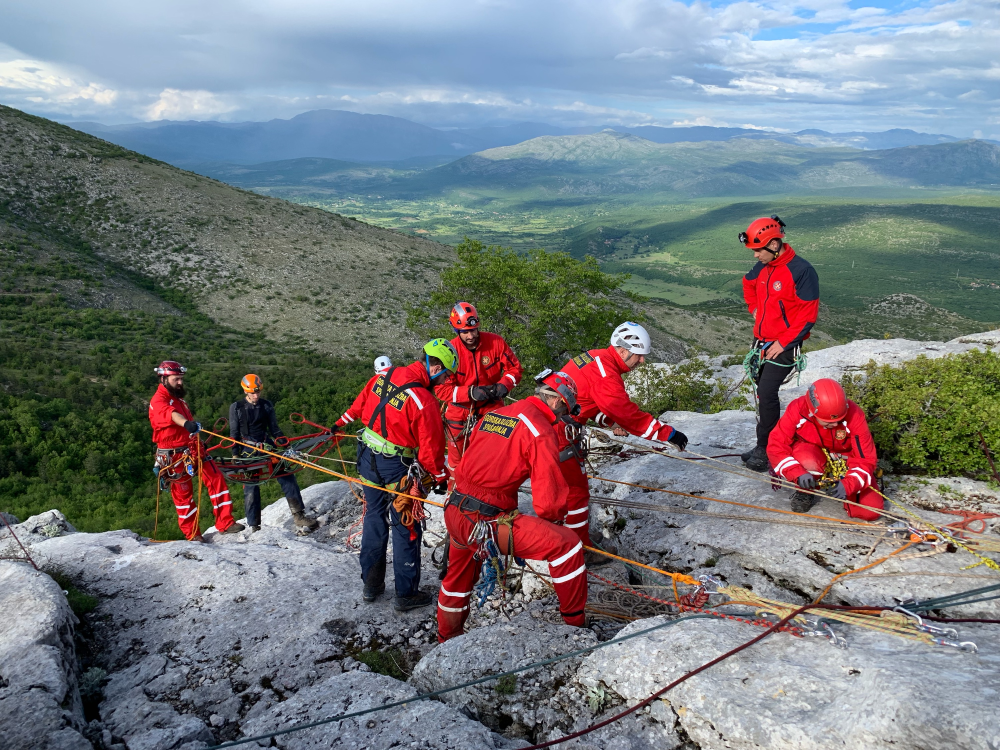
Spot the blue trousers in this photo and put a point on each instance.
(380, 515)
(251, 498)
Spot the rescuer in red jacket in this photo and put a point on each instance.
(602, 397)
(509, 445)
(487, 371)
(825, 418)
(402, 428)
(178, 450)
(782, 295)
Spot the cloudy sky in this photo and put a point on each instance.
(837, 65)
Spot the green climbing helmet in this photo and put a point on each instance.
(444, 351)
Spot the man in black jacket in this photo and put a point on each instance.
(252, 420)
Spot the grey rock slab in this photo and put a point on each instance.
(779, 555)
(492, 649)
(794, 693)
(149, 725)
(424, 724)
(35, 529)
(40, 703)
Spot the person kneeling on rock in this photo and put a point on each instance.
(507, 446)
(822, 442)
(252, 420)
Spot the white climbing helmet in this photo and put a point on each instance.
(382, 364)
(631, 336)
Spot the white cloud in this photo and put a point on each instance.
(44, 83)
(174, 104)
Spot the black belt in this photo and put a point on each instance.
(469, 504)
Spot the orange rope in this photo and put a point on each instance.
(858, 570)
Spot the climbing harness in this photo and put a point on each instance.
(754, 361)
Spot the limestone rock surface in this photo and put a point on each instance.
(798, 694)
(40, 707)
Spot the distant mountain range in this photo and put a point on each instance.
(615, 163)
(349, 136)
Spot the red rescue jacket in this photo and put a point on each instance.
(166, 434)
(493, 361)
(411, 415)
(783, 297)
(509, 445)
(602, 396)
(850, 438)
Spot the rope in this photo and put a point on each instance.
(443, 691)
(25, 551)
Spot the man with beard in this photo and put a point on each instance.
(487, 371)
(178, 447)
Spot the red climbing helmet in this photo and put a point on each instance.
(464, 317)
(762, 231)
(169, 367)
(827, 400)
(559, 384)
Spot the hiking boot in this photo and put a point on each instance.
(236, 528)
(254, 529)
(197, 538)
(758, 460)
(405, 603)
(374, 583)
(802, 502)
(304, 522)
(745, 455)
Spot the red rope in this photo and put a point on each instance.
(7, 524)
(773, 629)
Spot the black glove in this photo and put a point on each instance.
(192, 427)
(837, 491)
(441, 487)
(679, 439)
(479, 393)
(807, 481)
(500, 391)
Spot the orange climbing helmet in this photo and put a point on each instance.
(560, 384)
(464, 317)
(762, 231)
(251, 383)
(169, 367)
(827, 400)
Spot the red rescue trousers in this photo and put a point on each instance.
(534, 539)
(577, 517)
(457, 440)
(182, 492)
(812, 459)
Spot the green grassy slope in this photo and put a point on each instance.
(247, 261)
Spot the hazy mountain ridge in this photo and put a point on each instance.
(251, 262)
(344, 135)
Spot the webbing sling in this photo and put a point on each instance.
(389, 392)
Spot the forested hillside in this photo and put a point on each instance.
(80, 339)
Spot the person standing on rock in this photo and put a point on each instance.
(252, 420)
(823, 439)
(177, 446)
(508, 445)
(403, 435)
(603, 398)
(782, 295)
(487, 371)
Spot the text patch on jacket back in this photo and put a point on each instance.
(498, 424)
(582, 359)
(398, 398)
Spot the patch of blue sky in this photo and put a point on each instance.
(795, 32)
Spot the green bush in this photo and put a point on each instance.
(927, 415)
(391, 662)
(548, 306)
(685, 387)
